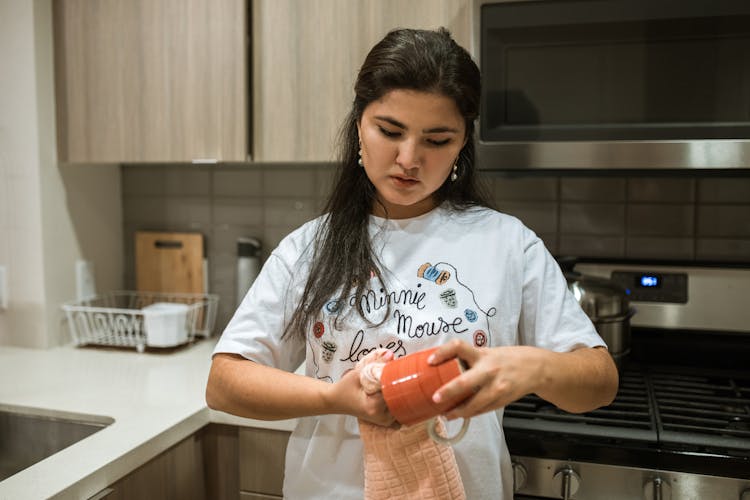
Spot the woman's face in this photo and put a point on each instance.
(410, 141)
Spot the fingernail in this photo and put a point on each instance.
(431, 359)
(437, 397)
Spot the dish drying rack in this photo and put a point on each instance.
(117, 318)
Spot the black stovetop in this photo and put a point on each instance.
(683, 404)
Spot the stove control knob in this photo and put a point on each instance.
(657, 489)
(519, 476)
(567, 482)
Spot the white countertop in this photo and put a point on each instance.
(155, 399)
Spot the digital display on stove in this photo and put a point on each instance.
(649, 286)
(649, 281)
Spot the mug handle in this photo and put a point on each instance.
(432, 431)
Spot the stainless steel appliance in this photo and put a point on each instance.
(679, 427)
(613, 84)
(606, 303)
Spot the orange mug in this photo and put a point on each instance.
(408, 384)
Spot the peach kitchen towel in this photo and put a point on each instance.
(405, 463)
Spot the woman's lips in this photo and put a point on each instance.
(404, 181)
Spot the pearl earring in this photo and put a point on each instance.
(359, 159)
(454, 175)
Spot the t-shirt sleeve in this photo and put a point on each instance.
(550, 315)
(255, 331)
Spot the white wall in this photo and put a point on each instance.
(50, 215)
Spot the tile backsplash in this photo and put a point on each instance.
(223, 203)
(638, 217)
(648, 217)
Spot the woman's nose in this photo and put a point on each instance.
(409, 154)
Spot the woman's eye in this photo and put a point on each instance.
(441, 142)
(389, 133)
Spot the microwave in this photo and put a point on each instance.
(613, 84)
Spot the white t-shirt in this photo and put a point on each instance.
(476, 275)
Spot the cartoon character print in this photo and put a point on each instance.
(322, 335)
(432, 273)
(329, 346)
(480, 338)
(454, 294)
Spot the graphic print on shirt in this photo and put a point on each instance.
(436, 303)
(459, 295)
(321, 334)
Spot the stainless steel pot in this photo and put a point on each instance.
(607, 305)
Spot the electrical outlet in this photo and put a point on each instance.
(3, 288)
(85, 284)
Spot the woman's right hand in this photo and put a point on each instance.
(349, 397)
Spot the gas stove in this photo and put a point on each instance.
(679, 427)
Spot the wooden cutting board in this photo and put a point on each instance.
(169, 262)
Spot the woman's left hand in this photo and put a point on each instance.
(575, 381)
(497, 376)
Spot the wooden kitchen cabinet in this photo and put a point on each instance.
(176, 474)
(219, 462)
(151, 80)
(204, 466)
(168, 80)
(306, 56)
(262, 454)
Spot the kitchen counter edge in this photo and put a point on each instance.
(89, 466)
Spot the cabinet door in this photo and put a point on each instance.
(151, 80)
(204, 466)
(176, 474)
(306, 58)
(262, 455)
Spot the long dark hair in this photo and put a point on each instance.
(422, 60)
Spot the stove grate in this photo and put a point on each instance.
(631, 409)
(704, 411)
(707, 410)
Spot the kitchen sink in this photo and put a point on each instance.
(28, 435)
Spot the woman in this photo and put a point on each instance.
(406, 257)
